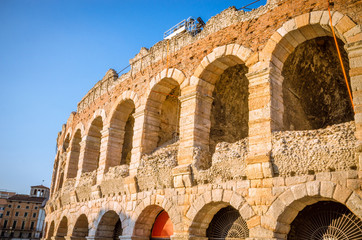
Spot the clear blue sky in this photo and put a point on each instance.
(53, 51)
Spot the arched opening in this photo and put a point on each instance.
(229, 110)
(74, 155)
(151, 223)
(93, 145)
(62, 228)
(314, 90)
(326, 220)
(55, 172)
(51, 231)
(80, 230)
(110, 226)
(61, 181)
(163, 115)
(227, 224)
(162, 227)
(121, 134)
(66, 143)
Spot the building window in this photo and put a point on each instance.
(34, 215)
(9, 205)
(1, 215)
(5, 223)
(29, 235)
(7, 213)
(27, 207)
(2, 233)
(16, 214)
(20, 234)
(18, 206)
(31, 225)
(14, 224)
(25, 214)
(23, 225)
(36, 208)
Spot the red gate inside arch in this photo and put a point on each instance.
(162, 228)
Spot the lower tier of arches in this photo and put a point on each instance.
(273, 208)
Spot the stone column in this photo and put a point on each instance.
(137, 149)
(104, 153)
(263, 116)
(194, 135)
(194, 123)
(81, 159)
(354, 51)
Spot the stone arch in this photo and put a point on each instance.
(222, 89)
(141, 221)
(120, 137)
(204, 208)
(293, 33)
(80, 229)
(109, 207)
(50, 232)
(109, 225)
(145, 221)
(92, 149)
(66, 142)
(62, 230)
(162, 110)
(286, 206)
(55, 171)
(74, 154)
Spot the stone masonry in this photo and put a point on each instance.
(252, 113)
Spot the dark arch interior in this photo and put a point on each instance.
(51, 231)
(110, 226)
(81, 227)
(93, 145)
(226, 224)
(230, 111)
(326, 220)
(63, 228)
(74, 155)
(128, 140)
(170, 114)
(314, 90)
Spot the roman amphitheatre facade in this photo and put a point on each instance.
(244, 130)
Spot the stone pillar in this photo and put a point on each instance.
(262, 118)
(354, 51)
(105, 151)
(194, 124)
(81, 159)
(139, 118)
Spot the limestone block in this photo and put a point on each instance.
(267, 169)
(354, 203)
(219, 51)
(345, 24)
(323, 176)
(236, 200)
(315, 17)
(217, 194)
(327, 189)
(341, 194)
(254, 171)
(287, 197)
(302, 20)
(299, 191)
(313, 188)
(226, 197)
(246, 211)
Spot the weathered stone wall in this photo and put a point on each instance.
(308, 152)
(233, 78)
